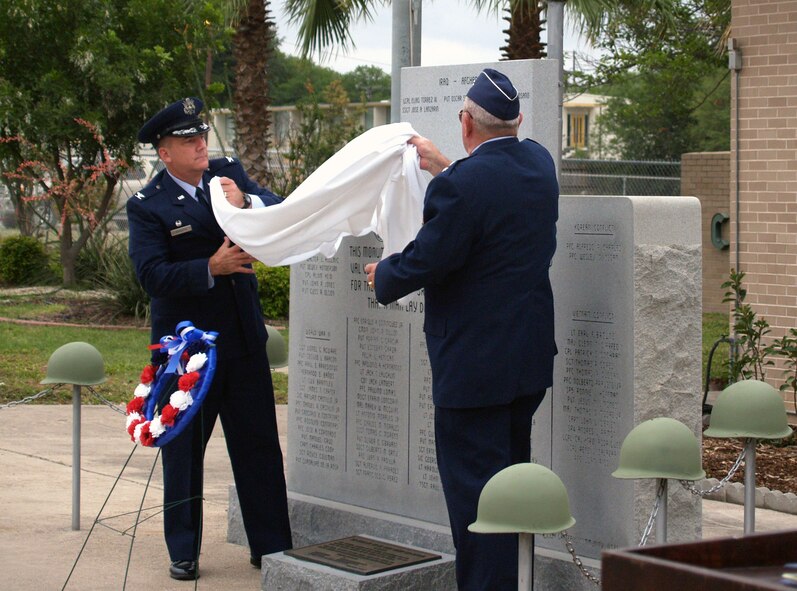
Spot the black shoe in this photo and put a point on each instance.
(256, 561)
(184, 570)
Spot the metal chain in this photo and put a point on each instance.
(29, 398)
(690, 486)
(107, 402)
(652, 518)
(43, 393)
(577, 561)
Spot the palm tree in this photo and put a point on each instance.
(253, 46)
(323, 23)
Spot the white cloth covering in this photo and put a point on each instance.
(373, 184)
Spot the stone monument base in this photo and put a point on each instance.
(285, 573)
(315, 520)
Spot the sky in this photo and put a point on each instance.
(452, 33)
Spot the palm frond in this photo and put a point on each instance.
(324, 23)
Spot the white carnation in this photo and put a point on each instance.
(181, 400)
(196, 362)
(142, 390)
(137, 432)
(156, 427)
(133, 416)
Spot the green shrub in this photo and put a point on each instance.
(274, 290)
(23, 261)
(115, 274)
(715, 327)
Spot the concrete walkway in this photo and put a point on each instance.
(38, 547)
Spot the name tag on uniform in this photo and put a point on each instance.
(182, 230)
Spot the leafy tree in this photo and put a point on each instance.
(291, 75)
(77, 79)
(326, 124)
(668, 75)
(367, 83)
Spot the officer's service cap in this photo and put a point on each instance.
(494, 93)
(180, 119)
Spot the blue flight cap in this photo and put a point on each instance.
(179, 119)
(494, 93)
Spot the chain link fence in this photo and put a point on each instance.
(578, 177)
(619, 177)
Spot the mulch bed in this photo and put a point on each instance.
(776, 466)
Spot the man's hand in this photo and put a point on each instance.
(231, 192)
(229, 259)
(431, 159)
(370, 270)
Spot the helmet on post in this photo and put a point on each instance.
(523, 498)
(749, 409)
(75, 363)
(661, 448)
(276, 349)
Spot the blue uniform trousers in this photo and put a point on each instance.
(241, 396)
(474, 444)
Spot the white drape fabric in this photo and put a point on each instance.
(373, 184)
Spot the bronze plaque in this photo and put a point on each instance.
(361, 555)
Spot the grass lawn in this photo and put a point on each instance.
(25, 350)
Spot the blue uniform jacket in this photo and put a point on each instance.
(483, 255)
(171, 239)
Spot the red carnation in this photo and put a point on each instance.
(185, 356)
(135, 405)
(132, 427)
(148, 374)
(168, 414)
(146, 436)
(187, 381)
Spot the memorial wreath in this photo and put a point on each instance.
(189, 359)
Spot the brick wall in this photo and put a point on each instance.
(706, 175)
(766, 32)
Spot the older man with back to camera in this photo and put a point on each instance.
(192, 272)
(482, 257)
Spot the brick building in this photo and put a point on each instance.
(763, 197)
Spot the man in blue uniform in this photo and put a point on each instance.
(193, 272)
(482, 256)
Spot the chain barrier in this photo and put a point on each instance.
(577, 561)
(107, 402)
(28, 399)
(690, 486)
(43, 393)
(653, 513)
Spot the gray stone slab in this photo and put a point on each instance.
(627, 284)
(431, 98)
(285, 573)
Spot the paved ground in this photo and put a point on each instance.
(38, 547)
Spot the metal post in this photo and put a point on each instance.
(525, 562)
(749, 486)
(556, 19)
(75, 457)
(661, 518)
(405, 48)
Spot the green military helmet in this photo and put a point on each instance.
(749, 409)
(523, 498)
(75, 363)
(276, 349)
(661, 448)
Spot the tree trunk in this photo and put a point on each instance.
(252, 47)
(68, 257)
(523, 34)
